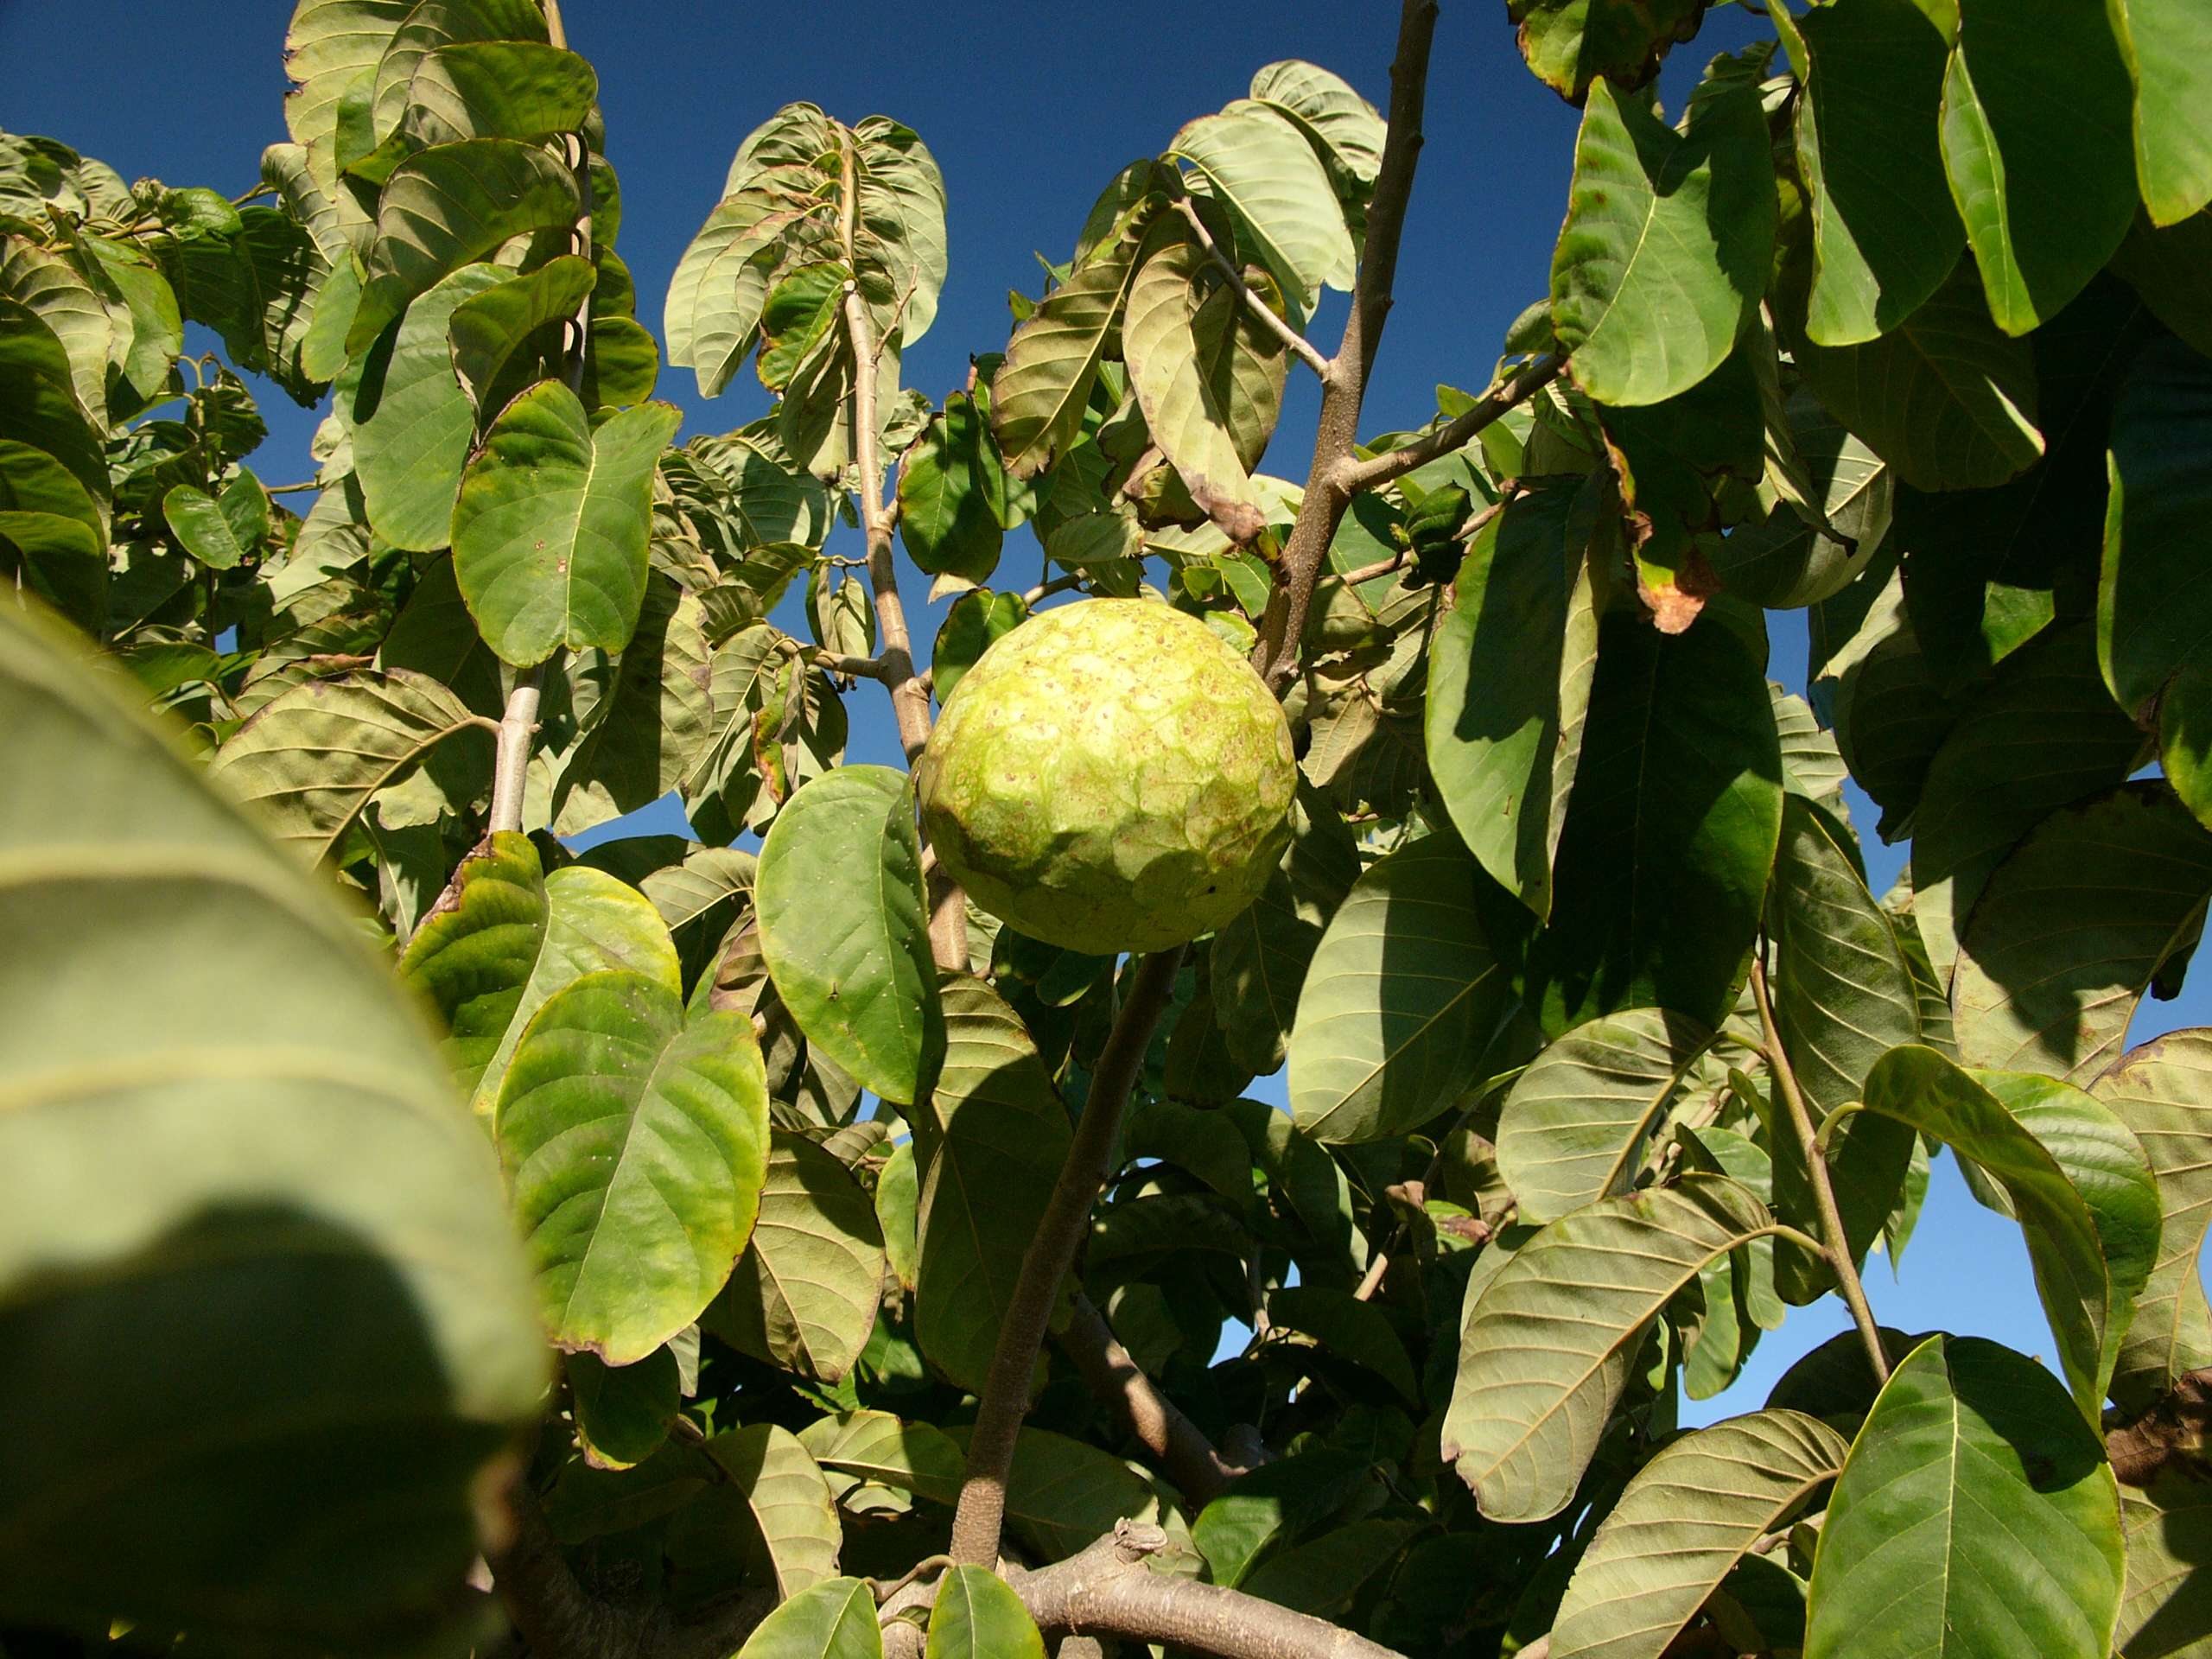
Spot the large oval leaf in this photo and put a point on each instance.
(1671, 837)
(1546, 1348)
(1401, 1000)
(1259, 958)
(1263, 171)
(1509, 684)
(254, 1264)
(992, 1142)
(412, 420)
(1666, 245)
(503, 937)
(2077, 1180)
(637, 1146)
(804, 1295)
(1576, 1124)
(977, 1617)
(1976, 1518)
(2073, 929)
(1040, 392)
(834, 1620)
(2163, 1091)
(449, 208)
(310, 761)
(791, 1508)
(917, 1458)
(844, 925)
(41, 408)
(1681, 1526)
(2165, 1610)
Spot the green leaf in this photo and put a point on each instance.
(637, 1147)
(650, 726)
(712, 315)
(2037, 141)
(1944, 397)
(898, 1214)
(917, 1458)
(2077, 1180)
(1787, 563)
(202, 527)
(51, 288)
(901, 210)
(2166, 267)
(976, 621)
(434, 24)
(1344, 127)
(1569, 43)
(1401, 999)
(55, 532)
(623, 1412)
(1349, 1328)
(834, 1620)
(549, 531)
(2168, 1529)
(990, 1144)
(2163, 1091)
(977, 1617)
(790, 1501)
(1577, 1124)
(332, 45)
(252, 1193)
(488, 327)
(804, 1295)
(505, 938)
(1208, 376)
(1546, 1350)
(1685, 1520)
(2166, 45)
(259, 284)
(1663, 257)
(310, 760)
(1271, 1505)
(1040, 393)
(1317, 1579)
(2152, 613)
(1508, 686)
(412, 422)
(1258, 964)
(1063, 1494)
(2074, 927)
(498, 89)
(844, 925)
(944, 507)
(1663, 860)
(1976, 1517)
(40, 410)
(1886, 234)
(1256, 163)
(2043, 732)
(451, 207)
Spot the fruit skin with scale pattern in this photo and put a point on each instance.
(1111, 775)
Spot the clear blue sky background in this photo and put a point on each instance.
(1029, 109)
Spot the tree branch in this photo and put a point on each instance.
(1176, 1444)
(1838, 1242)
(1066, 1221)
(511, 770)
(1108, 1590)
(1355, 476)
(1345, 387)
(910, 701)
(1309, 353)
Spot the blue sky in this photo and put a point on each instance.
(1029, 109)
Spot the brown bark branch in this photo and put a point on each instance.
(1108, 1590)
(1837, 1243)
(1179, 1446)
(1066, 1221)
(1307, 351)
(1344, 387)
(1357, 475)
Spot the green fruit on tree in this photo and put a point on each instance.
(1110, 776)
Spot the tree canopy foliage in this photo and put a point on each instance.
(418, 1237)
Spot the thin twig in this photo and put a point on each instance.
(1838, 1242)
(1357, 476)
(1052, 1250)
(853, 667)
(1046, 589)
(1306, 352)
